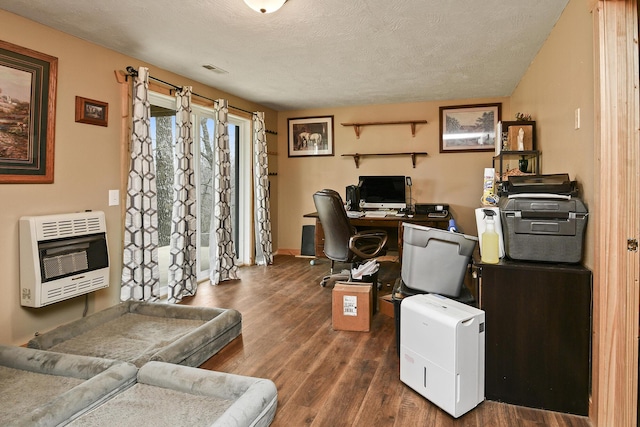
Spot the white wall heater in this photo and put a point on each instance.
(62, 256)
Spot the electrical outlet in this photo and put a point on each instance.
(577, 119)
(114, 197)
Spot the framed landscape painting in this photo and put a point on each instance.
(28, 81)
(311, 136)
(466, 128)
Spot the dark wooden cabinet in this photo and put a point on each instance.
(538, 334)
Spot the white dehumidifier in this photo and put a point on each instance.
(442, 351)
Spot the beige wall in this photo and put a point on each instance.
(452, 178)
(87, 166)
(87, 158)
(559, 81)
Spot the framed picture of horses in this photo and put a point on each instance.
(311, 136)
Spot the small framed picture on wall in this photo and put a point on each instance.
(91, 111)
(311, 136)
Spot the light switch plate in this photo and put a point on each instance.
(114, 197)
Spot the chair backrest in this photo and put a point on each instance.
(335, 224)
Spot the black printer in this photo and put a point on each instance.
(542, 218)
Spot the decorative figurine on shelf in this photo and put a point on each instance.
(521, 140)
(523, 117)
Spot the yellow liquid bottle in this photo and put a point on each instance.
(490, 249)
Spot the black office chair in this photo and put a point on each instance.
(342, 243)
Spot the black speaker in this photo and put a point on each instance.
(308, 247)
(352, 198)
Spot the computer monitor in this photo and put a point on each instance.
(382, 192)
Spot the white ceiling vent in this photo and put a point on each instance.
(215, 69)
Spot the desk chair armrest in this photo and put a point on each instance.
(368, 244)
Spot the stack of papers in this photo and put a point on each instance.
(540, 196)
(355, 214)
(375, 214)
(367, 269)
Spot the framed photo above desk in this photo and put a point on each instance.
(310, 136)
(466, 128)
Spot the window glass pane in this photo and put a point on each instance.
(162, 132)
(234, 134)
(206, 132)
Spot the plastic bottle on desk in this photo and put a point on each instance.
(489, 252)
(452, 226)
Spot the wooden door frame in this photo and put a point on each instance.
(617, 167)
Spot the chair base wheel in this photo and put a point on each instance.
(332, 279)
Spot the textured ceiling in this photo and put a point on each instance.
(327, 53)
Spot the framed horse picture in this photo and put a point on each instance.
(311, 136)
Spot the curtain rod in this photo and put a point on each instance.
(133, 72)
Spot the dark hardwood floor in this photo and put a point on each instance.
(326, 377)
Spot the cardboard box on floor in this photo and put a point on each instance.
(385, 305)
(352, 306)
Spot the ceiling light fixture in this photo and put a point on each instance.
(265, 6)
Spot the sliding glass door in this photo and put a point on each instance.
(163, 136)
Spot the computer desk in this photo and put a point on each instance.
(391, 224)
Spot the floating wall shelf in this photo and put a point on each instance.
(356, 156)
(413, 123)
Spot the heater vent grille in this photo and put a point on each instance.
(67, 227)
(61, 265)
(81, 285)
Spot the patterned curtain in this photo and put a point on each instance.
(264, 247)
(183, 277)
(222, 254)
(140, 276)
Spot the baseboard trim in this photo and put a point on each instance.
(293, 252)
